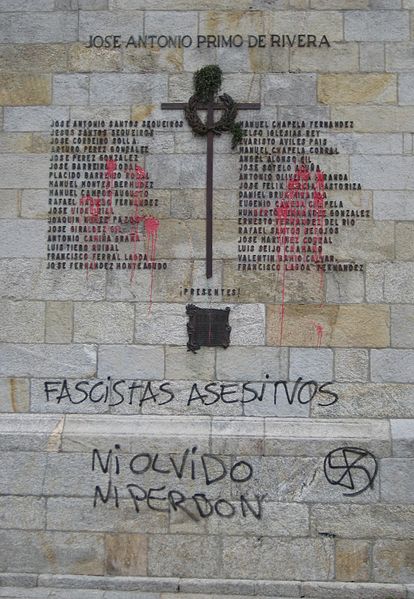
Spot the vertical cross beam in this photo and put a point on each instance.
(210, 107)
(209, 192)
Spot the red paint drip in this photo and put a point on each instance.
(151, 226)
(90, 211)
(319, 332)
(110, 173)
(303, 201)
(139, 175)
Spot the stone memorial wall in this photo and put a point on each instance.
(207, 299)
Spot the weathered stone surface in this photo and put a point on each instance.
(247, 322)
(390, 282)
(345, 287)
(339, 4)
(27, 513)
(14, 395)
(30, 279)
(405, 88)
(240, 363)
(366, 241)
(313, 364)
(22, 238)
(191, 204)
(397, 484)
(376, 26)
(34, 203)
(121, 583)
(153, 60)
(351, 365)
(393, 561)
(328, 23)
(171, 23)
(139, 433)
(8, 203)
(371, 56)
(402, 433)
(399, 57)
(127, 88)
(393, 205)
(297, 479)
(32, 118)
(27, 5)
(279, 519)
(186, 239)
(289, 89)
(48, 360)
(245, 557)
(278, 406)
(392, 365)
(377, 172)
(22, 322)
(178, 5)
(351, 560)
(355, 521)
(103, 322)
(259, 60)
(225, 22)
(126, 555)
(95, 60)
(349, 590)
(52, 552)
(31, 468)
(33, 58)
(312, 437)
(141, 361)
(70, 89)
(404, 238)
(338, 58)
(265, 287)
(372, 119)
(364, 400)
(182, 364)
(402, 326)
(179, 555)
(120, 287)
(41, 27)
(161, 323)
(357, 88)
(244, 88)
(110, 23)
(23, 89)
(17, 169)
(77, 514)
(59, 322)
(337, 326)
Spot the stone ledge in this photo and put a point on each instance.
(31, 587)
(263, 436)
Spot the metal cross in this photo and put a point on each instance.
(210, 107)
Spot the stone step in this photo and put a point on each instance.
(117, 587)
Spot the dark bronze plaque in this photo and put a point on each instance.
(207, 326)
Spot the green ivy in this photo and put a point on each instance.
(207, 82)
(237, 135)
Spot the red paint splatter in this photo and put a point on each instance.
(300, 244)
(96, 216)
(91, 208)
